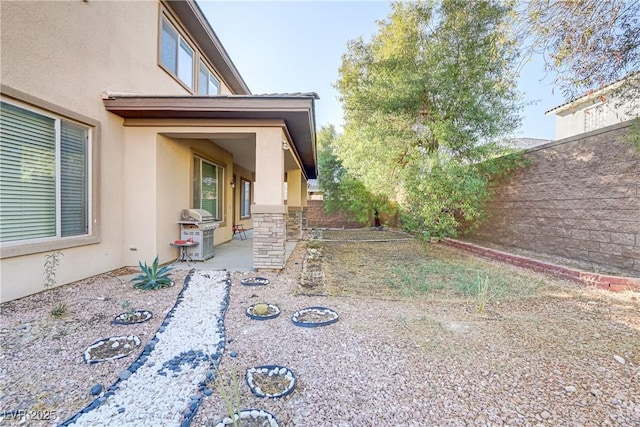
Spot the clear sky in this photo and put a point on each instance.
(296, 46)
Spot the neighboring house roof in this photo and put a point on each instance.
(199, 28)
(297, 111)
(592, 95)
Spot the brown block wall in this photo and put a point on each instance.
(316, 218)
(579, 198)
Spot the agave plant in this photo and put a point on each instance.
(152, 277)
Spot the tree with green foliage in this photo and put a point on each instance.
(586, 44)
(426, 102)
(341, 191)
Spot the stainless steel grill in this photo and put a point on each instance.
(198, 225)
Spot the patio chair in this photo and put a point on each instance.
(239, 229)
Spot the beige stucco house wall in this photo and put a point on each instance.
(95, 63)
(595, 110)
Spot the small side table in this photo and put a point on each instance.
(184, 255)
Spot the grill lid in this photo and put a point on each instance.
(196, 215)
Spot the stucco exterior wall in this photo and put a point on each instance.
(98, 46)
(271, 168)
(160, 185)
(578, 199)
(571, 120)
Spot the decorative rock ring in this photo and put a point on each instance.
(111, 348)
(254, 281)
(313, 317)
(250, 414)
(141, 316)
(271, 381)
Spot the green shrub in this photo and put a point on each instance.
(130, 312)
(59, 310)
(153, 277)
(314, 244)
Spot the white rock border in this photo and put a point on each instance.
(271, 370)
(249, 413)
(131, 343)
(322, 311)
(254, 281)
(121, 319)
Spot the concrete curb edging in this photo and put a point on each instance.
(611, 283)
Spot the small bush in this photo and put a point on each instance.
(314, 244)
(153, 277)
(482, 295)
(59, 310)
(130, 312)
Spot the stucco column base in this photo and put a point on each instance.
(269, 233)
(294, 223)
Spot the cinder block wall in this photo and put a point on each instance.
(316, 218)
(579, 198)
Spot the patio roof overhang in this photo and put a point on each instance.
(296, 110)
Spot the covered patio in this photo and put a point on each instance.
(262, 142)
(234, 255)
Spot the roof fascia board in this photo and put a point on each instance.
(225, 108)
(589, 98)
(199, 123)
(203, 103)
(294, 151)
(314, 143)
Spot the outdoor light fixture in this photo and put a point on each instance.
(233, 184)
(285, 145)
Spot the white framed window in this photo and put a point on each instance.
(245, 199)
(208, 84)
(593, 118)
(45, 179)
(176, 55)
(208, 178)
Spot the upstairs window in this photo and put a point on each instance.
(207, 82)
(44, 176)
(176, 56)
(593, 118)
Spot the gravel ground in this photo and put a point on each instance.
(42, 370)
(562, 356)
(546, 360)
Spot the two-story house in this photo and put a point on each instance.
(597, 109)
(114, 117)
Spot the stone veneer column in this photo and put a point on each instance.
(294, 223)
(305, 218)
(269, 231)
(269, 212)
(296, 192)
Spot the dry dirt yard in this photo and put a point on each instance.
(411, 347)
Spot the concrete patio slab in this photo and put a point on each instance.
(235, 255)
